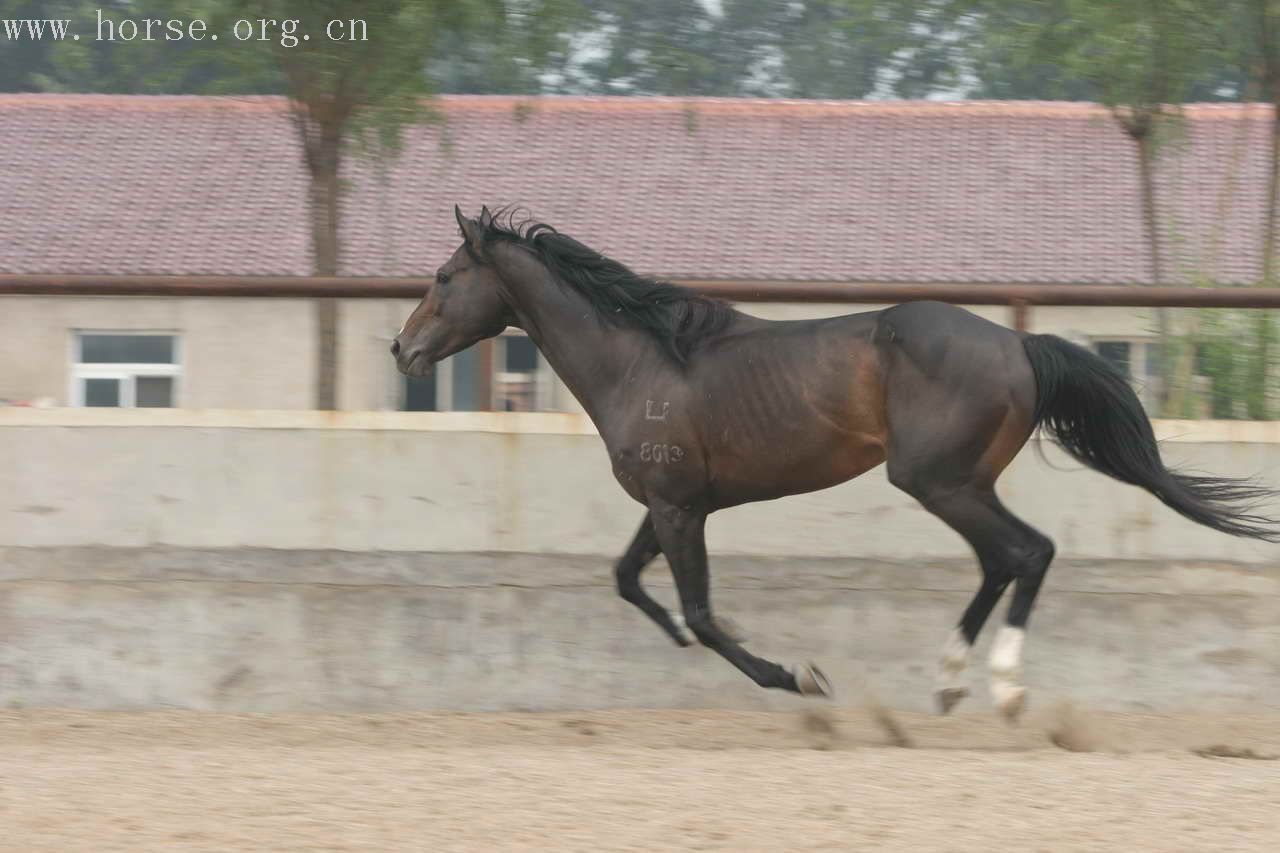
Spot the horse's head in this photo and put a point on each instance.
(463, 306)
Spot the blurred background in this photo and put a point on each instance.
(171, 169)
(1022, 142)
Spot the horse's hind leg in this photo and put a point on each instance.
(951, 686)
(1009, 550)
(960, 393)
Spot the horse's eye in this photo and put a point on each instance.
(442, 278)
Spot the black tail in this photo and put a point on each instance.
(1089, 407)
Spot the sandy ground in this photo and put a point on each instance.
(635, 781)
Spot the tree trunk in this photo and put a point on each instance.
(325, 210)
(1264, 330)
(1143, 132)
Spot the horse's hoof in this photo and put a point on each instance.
(1011, 701)
(810, 681)
(949, 697)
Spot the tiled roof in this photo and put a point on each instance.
(699, 188)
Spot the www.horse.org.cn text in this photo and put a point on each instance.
(287, 32)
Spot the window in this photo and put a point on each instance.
(1136, 359)
(125, 370)
(449, 387)
(1116, 352)
(521, 380)
(517, 380)
(421, 393)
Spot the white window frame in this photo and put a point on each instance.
(127, 374)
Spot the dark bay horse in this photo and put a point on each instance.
(702, 407)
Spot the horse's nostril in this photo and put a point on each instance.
(395, 348)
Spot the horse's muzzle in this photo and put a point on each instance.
(414, 362)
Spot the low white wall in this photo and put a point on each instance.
(259, 561)
(471, 482)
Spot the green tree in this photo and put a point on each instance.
(25, 62)
(338, 91)
(849, 48)
(660, 47)
(799, 49)
(134, 66)
(1261, 60)
(1037, 50)
(1141, 60)
(365, 90)
(514, 54)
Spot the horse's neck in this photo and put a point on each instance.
(589, 357)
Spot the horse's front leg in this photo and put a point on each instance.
(680, 532)
(643, 548)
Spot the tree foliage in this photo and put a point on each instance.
(133, 66)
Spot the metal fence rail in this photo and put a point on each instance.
(1019, 297)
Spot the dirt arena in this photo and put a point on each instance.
(637, 781)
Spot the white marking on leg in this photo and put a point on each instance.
(950, 688)
(1005, 666)
(724, 623)
(954, 660)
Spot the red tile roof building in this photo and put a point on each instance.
(698, 188)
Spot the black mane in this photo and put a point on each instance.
(677, 317)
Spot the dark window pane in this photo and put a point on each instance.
(465, 366)
(420, 392)
(1154, 368)
(522, 355)
(153, 392)
(126, 349)
(102, 392)
(1116, 352)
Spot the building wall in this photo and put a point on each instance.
(235, 353)
(259, 353)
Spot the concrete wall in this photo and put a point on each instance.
(260, 353)
(286, 560)
(256, 630)
(528, 483)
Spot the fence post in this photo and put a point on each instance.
(1021, 314)
(484, 375)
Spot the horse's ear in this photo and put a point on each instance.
(486, 218)
(471, 230)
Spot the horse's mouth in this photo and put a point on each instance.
(419, 364)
